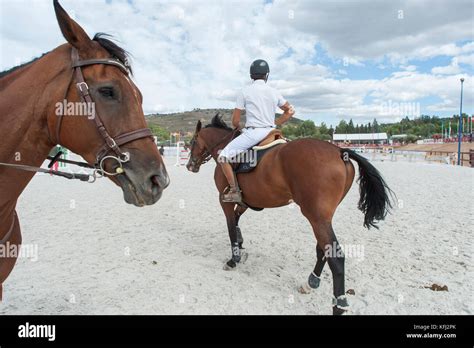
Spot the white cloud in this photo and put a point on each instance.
(190, 54)
(410, 68)
(372, 29)
(347, 98)
(450, 69)
(466, 59)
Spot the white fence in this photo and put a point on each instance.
(406, 156)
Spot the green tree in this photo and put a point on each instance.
(289, 131)
(307, 128)
(330, 131)
(323, 129)
(341, 128)
(161, 133)
(375, 126)
(350, 127)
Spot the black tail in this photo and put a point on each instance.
(375, 195)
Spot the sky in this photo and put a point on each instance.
(332, 60)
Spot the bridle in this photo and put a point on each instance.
(207, 154)
(111, 144)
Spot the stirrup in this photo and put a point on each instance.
(232, 196)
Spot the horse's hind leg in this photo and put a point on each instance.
(329, 250)
(336, 260)
(314, 278)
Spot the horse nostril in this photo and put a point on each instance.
(162, 181)
(157, 182)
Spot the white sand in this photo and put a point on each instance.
(96, 254)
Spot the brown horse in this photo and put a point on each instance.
(31, 125)
(314, 174)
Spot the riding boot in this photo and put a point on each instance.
(234, 194)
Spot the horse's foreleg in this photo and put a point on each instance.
(233, 235)
(7, 262)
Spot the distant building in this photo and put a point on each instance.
(399, 136)
(361, 138)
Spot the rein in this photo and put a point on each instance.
(207, 154)
(7, 236)
(110, 143)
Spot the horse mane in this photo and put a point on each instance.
(19, 66)
(103, 39)
(115, 50)
(218, 122)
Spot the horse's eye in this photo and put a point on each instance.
(107, 92)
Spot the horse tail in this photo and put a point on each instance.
(375, 195)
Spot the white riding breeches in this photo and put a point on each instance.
(249, 137)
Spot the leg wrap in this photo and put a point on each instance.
(340, 302)
(313, 281)
(240, 240)
(235, 252)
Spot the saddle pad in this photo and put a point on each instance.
(273, 143)
(248, 166)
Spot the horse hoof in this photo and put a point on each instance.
(313, 283)
(229, 266)
(340, 305)
(304, 289)
(339, 311)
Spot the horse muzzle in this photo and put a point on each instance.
(192, 165)
(142, 184)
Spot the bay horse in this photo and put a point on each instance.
(114, 140)
(314, 174)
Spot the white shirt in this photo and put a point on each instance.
(260, 103)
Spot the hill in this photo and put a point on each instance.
(185, 122)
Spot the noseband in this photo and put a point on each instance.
(110, 143)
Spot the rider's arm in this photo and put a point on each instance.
(288, 112)
(236, 118)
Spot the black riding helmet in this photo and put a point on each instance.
(259, 70)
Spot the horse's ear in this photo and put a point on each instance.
(72, 32)
(198, 126)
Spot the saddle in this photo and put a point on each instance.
(274, 135)
(249, 162)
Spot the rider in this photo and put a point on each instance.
(260, 102)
